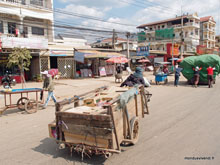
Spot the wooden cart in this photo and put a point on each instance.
(24, 102)
(101, 120)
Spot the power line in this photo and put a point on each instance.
(141, 6)
(91, 17)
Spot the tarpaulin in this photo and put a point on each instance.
(203, 61)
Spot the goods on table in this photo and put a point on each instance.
(203, 61)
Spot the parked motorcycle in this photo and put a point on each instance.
(8, 81)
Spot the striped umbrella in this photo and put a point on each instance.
(117, 60)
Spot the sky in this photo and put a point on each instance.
(128, 14)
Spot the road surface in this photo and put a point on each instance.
(182, 128)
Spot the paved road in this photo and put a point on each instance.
(183, 123)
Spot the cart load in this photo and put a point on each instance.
(203, 61)
(99, 121)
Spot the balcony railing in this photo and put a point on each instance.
(34, 3)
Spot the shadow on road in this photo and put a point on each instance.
(12, 111)
(49, 147)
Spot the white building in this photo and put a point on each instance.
(26, 23)
(190, 28)
(207, 31)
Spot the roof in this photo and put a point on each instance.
(162, 21)
(98, 54)
(205, 19)
(110, 40)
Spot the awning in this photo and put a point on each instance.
(57, 53)
(99, 54)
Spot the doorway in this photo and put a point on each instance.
(53, 63)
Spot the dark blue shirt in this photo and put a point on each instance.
(177, 72)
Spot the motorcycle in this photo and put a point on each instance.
(7, 81)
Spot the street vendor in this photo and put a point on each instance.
(48, 85)
(196, 75)
(133, 79)
(210, 75)
(119, 69)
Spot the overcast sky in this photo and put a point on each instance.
(132, 12)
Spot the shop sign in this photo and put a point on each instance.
(172, 51)
(29, 43)
(102, 71)
(143, 51)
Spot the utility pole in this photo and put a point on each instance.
(113, 39)
(182, 39)
(128, 34)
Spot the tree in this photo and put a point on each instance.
(20, 57)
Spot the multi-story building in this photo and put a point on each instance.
(207, 31)
(170, 31)
(25, 24)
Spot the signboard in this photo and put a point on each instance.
(164, 34)
(102, 71)
(29, 43)
(141, 36)
(202, 49)
(175, 49)
(143, 51)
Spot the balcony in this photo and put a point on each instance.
(31, 3)
(196, 25)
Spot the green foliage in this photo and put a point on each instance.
(20, 57)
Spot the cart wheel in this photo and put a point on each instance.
(31, 106)
(166, 81)
(134, 130)
(21, 103)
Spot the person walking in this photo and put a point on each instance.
(210, 75)
(177, 75)
(196, 75)
(48, 85)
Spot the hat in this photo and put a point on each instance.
(45, 72)
(197, 68)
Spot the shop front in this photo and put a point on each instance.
(93, 63)
(13, 71)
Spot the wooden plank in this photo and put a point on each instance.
(88, 131)
(115, 129)
(89, 140)
(90, 123)
(136, 105)
(84, 116)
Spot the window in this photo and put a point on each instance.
(151, 29)
(11, 28)
(1, 27)
(197, 32)
(36, 2)
(163, 26)
(38, 31)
